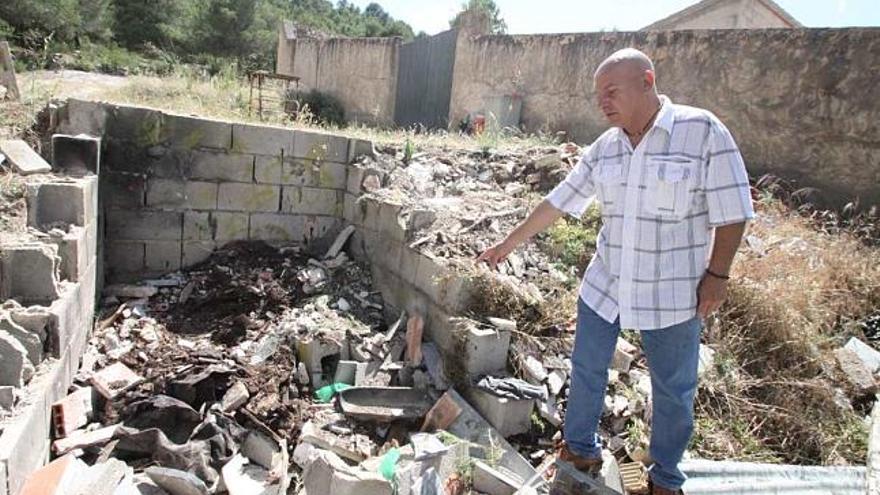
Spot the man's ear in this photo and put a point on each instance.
(649, 79)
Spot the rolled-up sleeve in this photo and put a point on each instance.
(728, 194)
(577, 192)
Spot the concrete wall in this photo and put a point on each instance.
(803, 104)
(360, 72)
(175, 188)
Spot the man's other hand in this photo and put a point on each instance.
(711, 293)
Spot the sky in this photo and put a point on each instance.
(577, 16)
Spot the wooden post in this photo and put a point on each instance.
(7, 72)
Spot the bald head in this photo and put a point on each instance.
(625, 89)
(627, 58)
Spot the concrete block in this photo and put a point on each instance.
(351, 372)
(122, 156)
(76, 155)
(23, 158)
(300, 172)
(318, 474)
(492, 481)
(61, 201)
(201, 195)
(352, 211)
(139, 125)
(29, 272)
(262, 140)
(197, 226)
(123, 190)
(144, 225)
(248, 197)
(320, 231)
(359, 482)
(267, 169)
(229, 226)
(370, 207)
(165, 193)
(124, 256)
(311, 201)
(16, 368)
(31, 341)
(355, 179)
(315, 350)
(408, 268)
(209, 165)
(72, 251)
(431, 278)
(195, 252)
(320, 147)
(162, 256)
(333, 175)
(81, 116)
(177, 482)
(510, 417)
(277, 227)
(391, 222)
(358, 148)
(190, 133)
(485, 348)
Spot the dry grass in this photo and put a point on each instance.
(776, 393)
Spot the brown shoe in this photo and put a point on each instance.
(659, 490)
(589, 465)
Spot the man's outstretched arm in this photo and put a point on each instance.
(538, 220)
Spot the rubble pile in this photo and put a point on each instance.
(457, 203)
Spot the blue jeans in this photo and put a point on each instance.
(673, 354)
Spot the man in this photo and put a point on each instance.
(675, 199)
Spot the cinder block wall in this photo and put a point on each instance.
(174, 187)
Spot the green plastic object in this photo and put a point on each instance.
(326, 393)
(389, 464)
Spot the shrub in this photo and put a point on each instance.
(324, 108)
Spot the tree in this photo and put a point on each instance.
(222, 28)
(496, 23)
(138, 22)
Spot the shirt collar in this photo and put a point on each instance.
(665, 118)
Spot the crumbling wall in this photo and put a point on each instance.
(802, 104)
(360, 72)
(47, 290)
(174, 188)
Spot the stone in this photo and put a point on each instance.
(244, 478)
(114, 379)
(706, 360)
(339, 242)
(550, 412)
(533, 369)
(177, 482)
(492, 481)
(72, 412)
(351, 373)
(621, 360)
(318, 474)
(857, 374)
(434, 363)
(867, 354)
(82, 439)
(16, 368)
(555, 381)
(24, 160)
(235, 397)
(103, 478)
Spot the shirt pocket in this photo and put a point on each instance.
(669, 185)
(609, 180)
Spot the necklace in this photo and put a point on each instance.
(647, 125)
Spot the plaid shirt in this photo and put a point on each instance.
(660, 204)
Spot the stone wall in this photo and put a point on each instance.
(360, 72)
(803, 104)
(174, 188)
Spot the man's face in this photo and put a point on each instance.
(620, 90)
